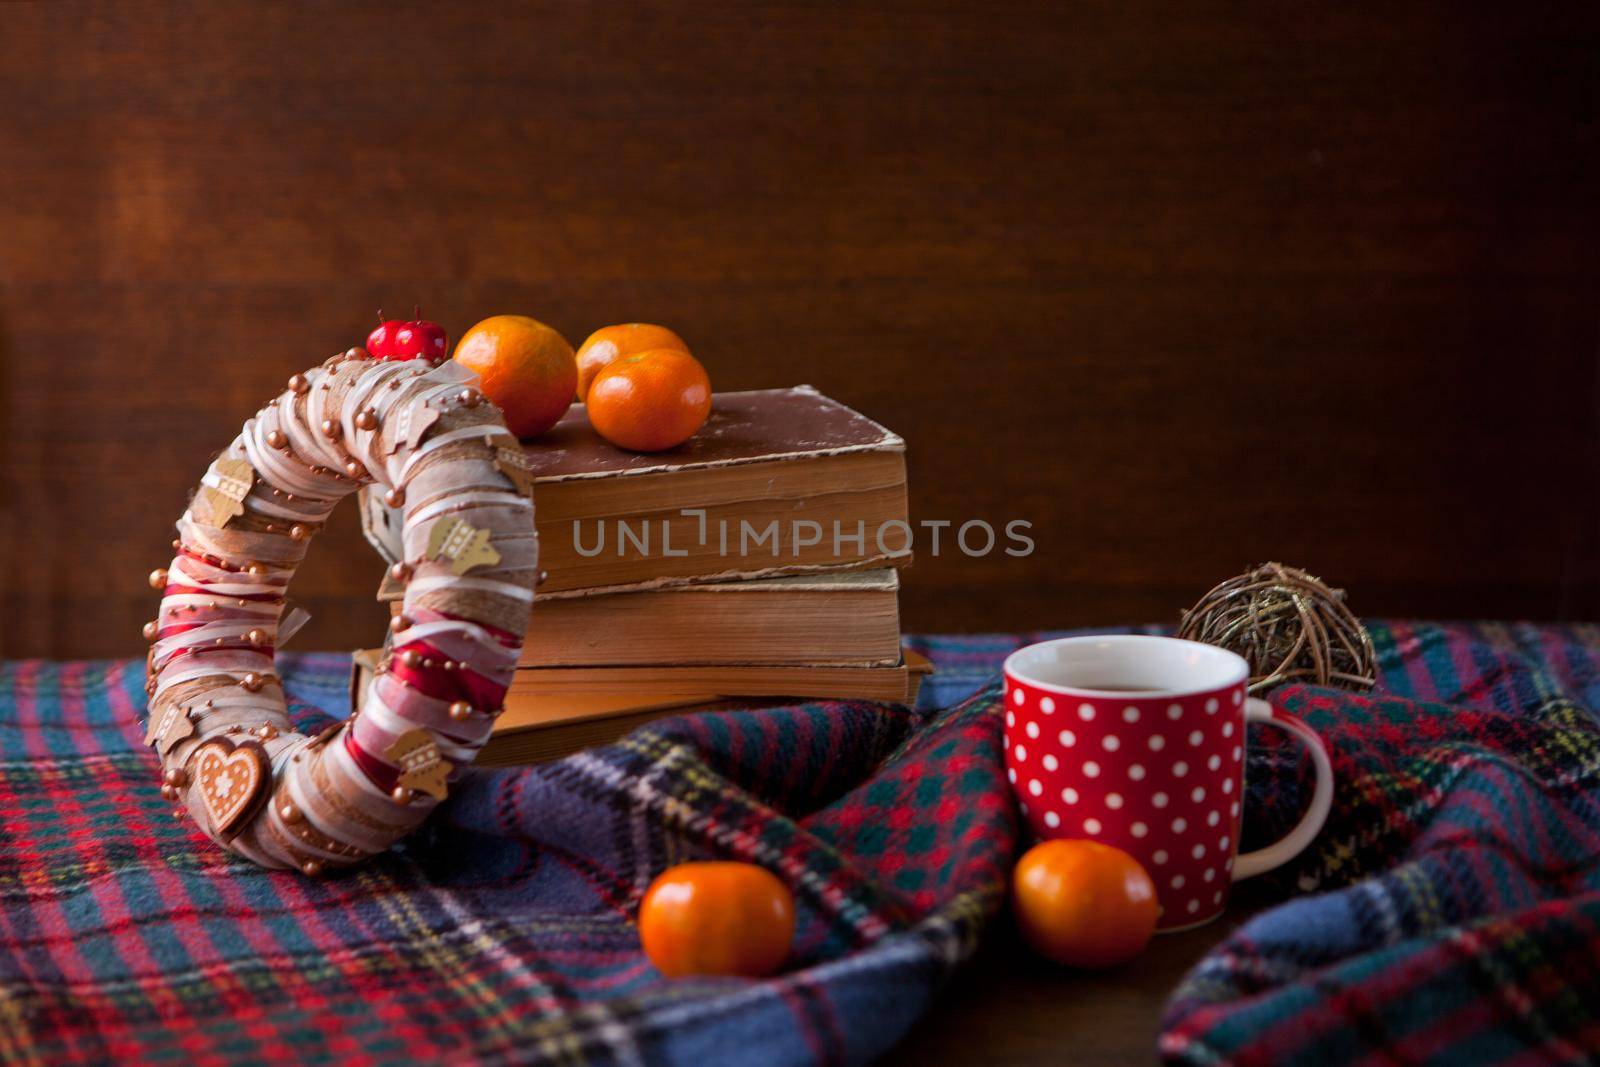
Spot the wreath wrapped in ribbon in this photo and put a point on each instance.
(445, 460)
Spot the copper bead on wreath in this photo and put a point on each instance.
(252, 681)
(367, 419)
(158, 578)
(402, 572)
(461, 711)
(395, 497)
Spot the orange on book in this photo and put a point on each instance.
(610, 342)
(525, 367)
(649, 401)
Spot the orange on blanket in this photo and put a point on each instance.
(717, 918)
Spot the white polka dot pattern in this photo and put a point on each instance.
(1158, 777)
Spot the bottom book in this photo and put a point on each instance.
(539, 726)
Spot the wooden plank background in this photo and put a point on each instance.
(1188, 286)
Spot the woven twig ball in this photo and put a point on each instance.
(1288, 625)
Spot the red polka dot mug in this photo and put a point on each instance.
(1139, 742)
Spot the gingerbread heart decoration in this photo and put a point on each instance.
(233, 781)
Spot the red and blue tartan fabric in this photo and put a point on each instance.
(1468, 802)
(1450, 910)
(503, 931)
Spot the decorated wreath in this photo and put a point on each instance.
(419, 431)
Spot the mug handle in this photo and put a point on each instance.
(1262, 860)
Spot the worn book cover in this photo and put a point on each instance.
(778, 481)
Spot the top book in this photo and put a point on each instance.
(778, 481)
(759, 426)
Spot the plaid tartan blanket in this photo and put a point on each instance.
(502, 933)
(1450, 910)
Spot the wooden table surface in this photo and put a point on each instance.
(1008, 1006)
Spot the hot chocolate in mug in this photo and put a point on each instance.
(1139, 742)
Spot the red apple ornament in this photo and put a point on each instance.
(422, 339)
(414, 339)
(380, 342)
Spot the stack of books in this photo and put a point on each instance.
(759, 559)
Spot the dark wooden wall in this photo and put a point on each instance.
(1189, 286)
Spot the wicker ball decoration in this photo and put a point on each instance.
(1288, 625)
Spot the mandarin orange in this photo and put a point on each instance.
(525, 367)
(1082, 903)
(609, 342)
(717, 918)
(650, 401)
